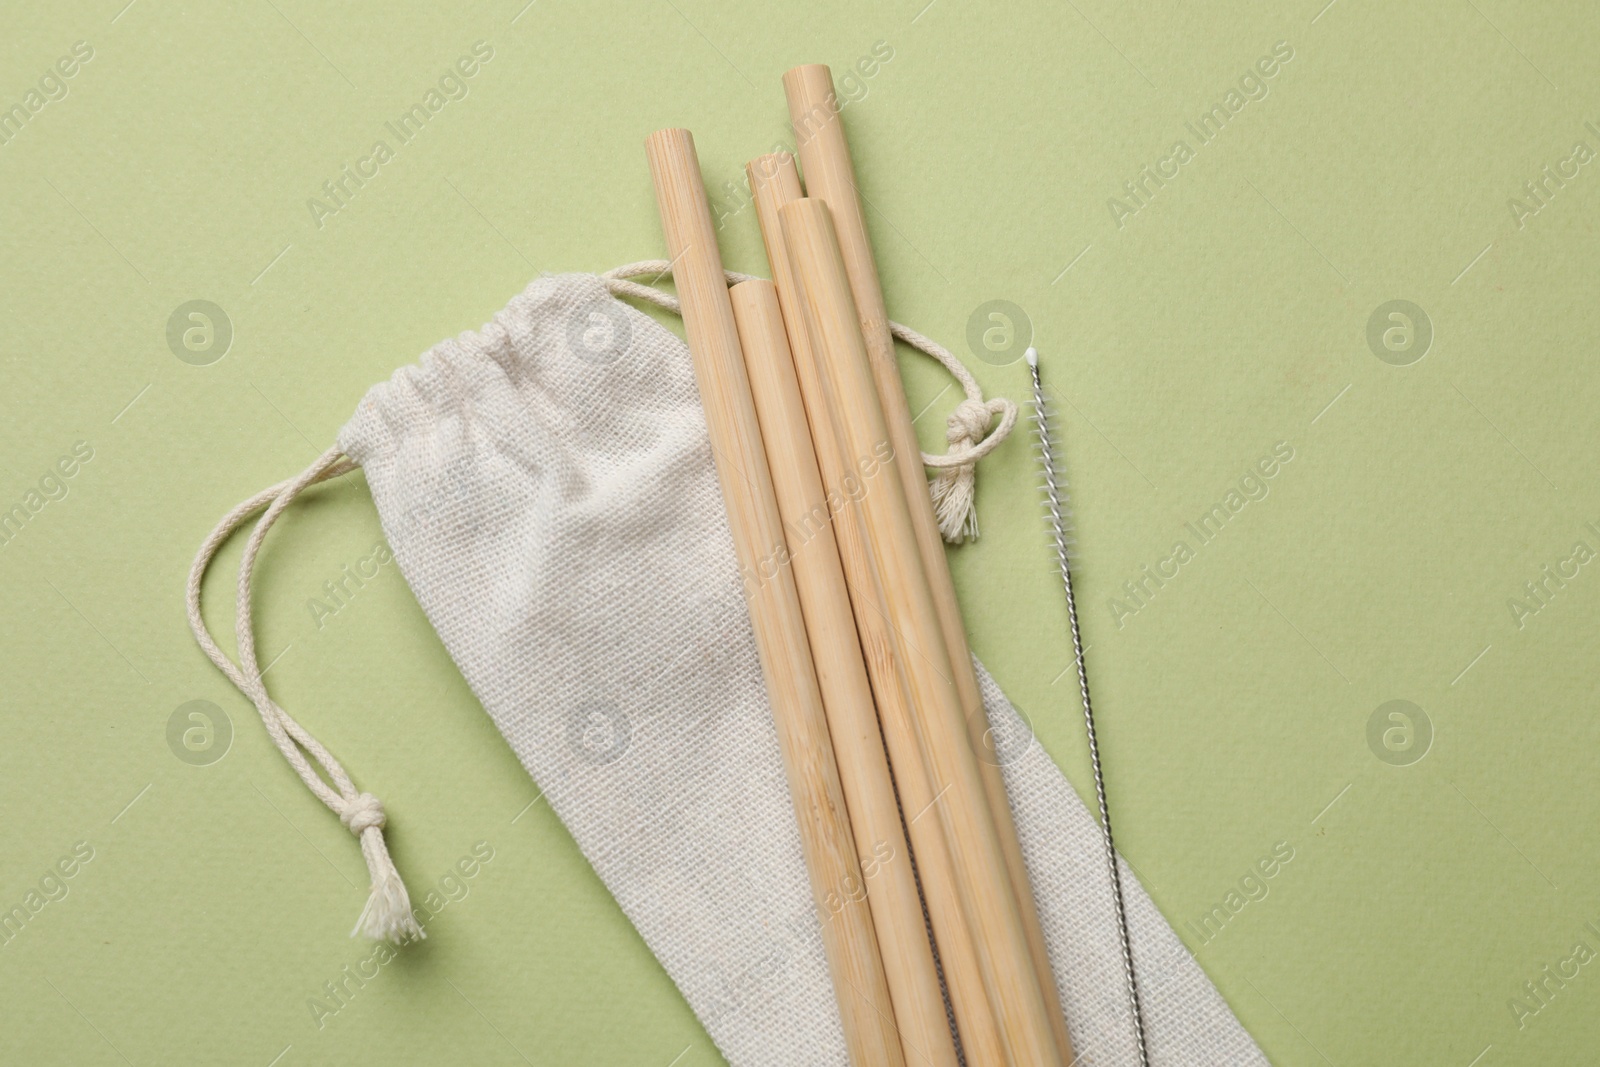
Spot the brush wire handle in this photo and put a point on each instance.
(1055, 503)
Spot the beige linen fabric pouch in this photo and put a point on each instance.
(547, 488)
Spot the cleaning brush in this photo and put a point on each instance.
(1057, 510)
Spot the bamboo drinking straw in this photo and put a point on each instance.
(774, 605)
(774, 182)
(830, 177)
(886, 874)
(1015, 995)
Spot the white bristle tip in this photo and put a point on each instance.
(1032, 356)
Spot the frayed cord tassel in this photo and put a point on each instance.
(954, 488)
(388, 915)
(954, 503)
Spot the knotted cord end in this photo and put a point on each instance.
(388, 915)
(954, 488)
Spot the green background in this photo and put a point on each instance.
(1228, 313)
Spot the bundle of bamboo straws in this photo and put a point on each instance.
(855, 615)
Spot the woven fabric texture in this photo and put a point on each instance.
(547, 487)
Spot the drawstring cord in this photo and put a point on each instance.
(387, 915)
(967, 431)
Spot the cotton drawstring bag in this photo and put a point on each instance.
(547, 488)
